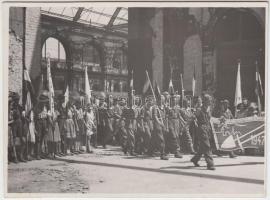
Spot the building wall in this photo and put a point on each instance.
(24, 46)
(33, 42)
(15, 68)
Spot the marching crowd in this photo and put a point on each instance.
(159, 126)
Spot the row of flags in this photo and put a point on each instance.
(238, 92)
(258, 88)
(171, 90)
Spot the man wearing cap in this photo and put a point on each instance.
(204, 134)
(117, 112)
(157, 140)
(129, 116)
(226, 112)
(146, 124)
(138, 136)
(188, 117)
(172, 139)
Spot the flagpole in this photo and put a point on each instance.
(238, 92)
(258, 87)
(154, 95)
(182, 89)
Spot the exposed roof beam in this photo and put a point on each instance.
(104, 14)
(119, 26)
(78, 14)
(115, 14)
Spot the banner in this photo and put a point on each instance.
(242, 133)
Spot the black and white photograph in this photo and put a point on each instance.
(134, 99)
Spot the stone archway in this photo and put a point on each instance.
(237, 34)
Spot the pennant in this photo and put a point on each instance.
(194, 82)
(147, 83)
(131, 81)
(157, 91)
(182, 89)
(238, 91)
(87, 88)
(50, 85)
(259, 88)
(28, 103)
(171, 88)
(66, 96)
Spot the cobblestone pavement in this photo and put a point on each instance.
(110, 172)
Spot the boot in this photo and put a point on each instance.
(195, 162)
(38, 151)
(178, 155)
(211, 168)
(164, 157)
(232, 155)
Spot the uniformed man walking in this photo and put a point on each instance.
(204, 134)
(157, 139)
(172, 137)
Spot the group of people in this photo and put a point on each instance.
(159, 126)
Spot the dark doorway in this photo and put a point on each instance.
(239, 36)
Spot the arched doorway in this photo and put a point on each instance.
(238, 35)
(53, 48)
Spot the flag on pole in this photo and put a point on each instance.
(28, 89)
(182, 89)
(131, 81)
(258, 89)
(66, 96)
(157, 91)
(87, 88)
(171, 88)
(194, 82)
(238, 91)
(28, 103)
(147, 83)
(50, 85)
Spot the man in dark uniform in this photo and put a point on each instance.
(157, 139)
(101, 118)
(138, 133)
(117, 112)
(204, 134)
(147, 124)
(188, 117)
(108, 120)
(129, 115)
(172, 137)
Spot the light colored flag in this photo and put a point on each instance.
(194, 82)
(50, 85)
(238, 91)
(66, 96)
(87, 88)
(28, 103)
(147, 83)
(171, 88)
(131, 81)
(182, 89)
(258, 89)
(258, 81)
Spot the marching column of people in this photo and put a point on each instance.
(160, 126)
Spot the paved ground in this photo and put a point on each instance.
(109, 171)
